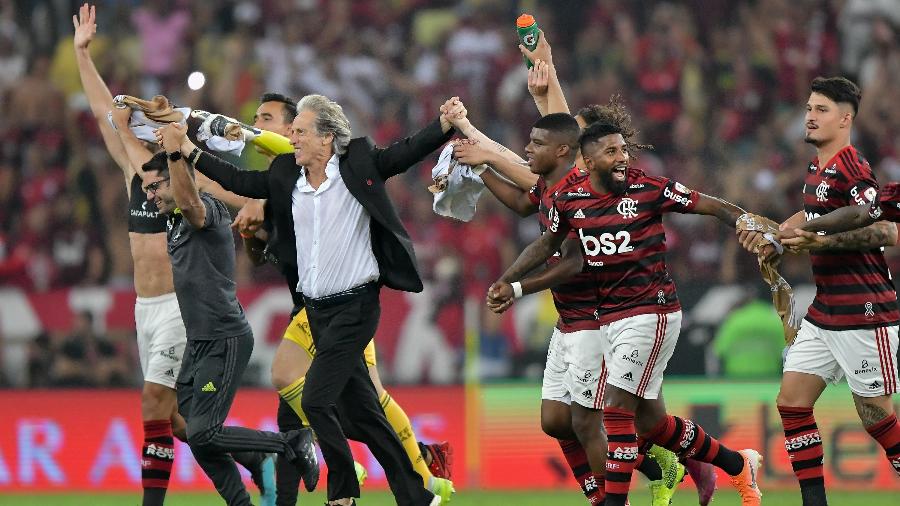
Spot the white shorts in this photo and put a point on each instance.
(639, 351)
(867, 357)
(161, 338)
(575, 369)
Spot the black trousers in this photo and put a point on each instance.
(338, 382)
(287, 475)
(210, 374)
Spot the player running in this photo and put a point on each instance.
(573, 380)
(618, 216)
(219, 339)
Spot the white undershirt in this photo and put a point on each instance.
(333, 237)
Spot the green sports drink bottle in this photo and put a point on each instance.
(527, 29)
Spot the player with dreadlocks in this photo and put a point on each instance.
(572, 390)
(616, 213)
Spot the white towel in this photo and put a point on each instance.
(142, 127)
(463, 186)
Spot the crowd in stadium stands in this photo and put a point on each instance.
(719, 93)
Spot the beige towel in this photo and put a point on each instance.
(157, 109)
(782, 298)
(782, 293)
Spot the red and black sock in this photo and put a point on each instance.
(156, 460)
(689, 441)
(621, 455)
(887, 433)
(804, 447)
(591, 483)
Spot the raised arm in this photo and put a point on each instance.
(553, 97)
(510, 194)
(95, 89)
(184, 189)
(403, 154)
(476, 154)
(465, 127)
(135, 149)
(246, 183)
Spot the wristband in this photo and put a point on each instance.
(247, 236)
(517, 290)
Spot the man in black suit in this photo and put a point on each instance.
(331, 209)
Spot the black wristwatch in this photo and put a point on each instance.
(174, 157)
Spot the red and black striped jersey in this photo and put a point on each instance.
(887, 205)
(854, 289)
(624, 243)
(576, 299)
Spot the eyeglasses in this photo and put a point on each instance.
(154, 186)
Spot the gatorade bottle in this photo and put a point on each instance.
(527, 29)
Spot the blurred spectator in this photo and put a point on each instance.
(750, 341)
(40, 358)
(719, 93)
(162, 26)
(79, 359)
(71, 363)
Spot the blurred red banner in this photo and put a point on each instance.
(91, 440)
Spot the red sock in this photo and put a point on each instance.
(621, 456)
(887, 433)
(591, 484)
(156, 460)
(803, 444)
(689, 441)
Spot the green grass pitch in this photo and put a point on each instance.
(685, 497)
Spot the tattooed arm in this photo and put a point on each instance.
(877, 235)
(840, 220)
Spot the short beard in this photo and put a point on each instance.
(616, 187)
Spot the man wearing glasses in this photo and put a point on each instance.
(219, 339)
(158, 318)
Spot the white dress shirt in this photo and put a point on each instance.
(333, 237)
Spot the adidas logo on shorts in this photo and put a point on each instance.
(209, 387)
(587, 394)
(170, 373)
(627, 376)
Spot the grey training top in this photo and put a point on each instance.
(203, 268)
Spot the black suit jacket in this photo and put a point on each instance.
(364, 169)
